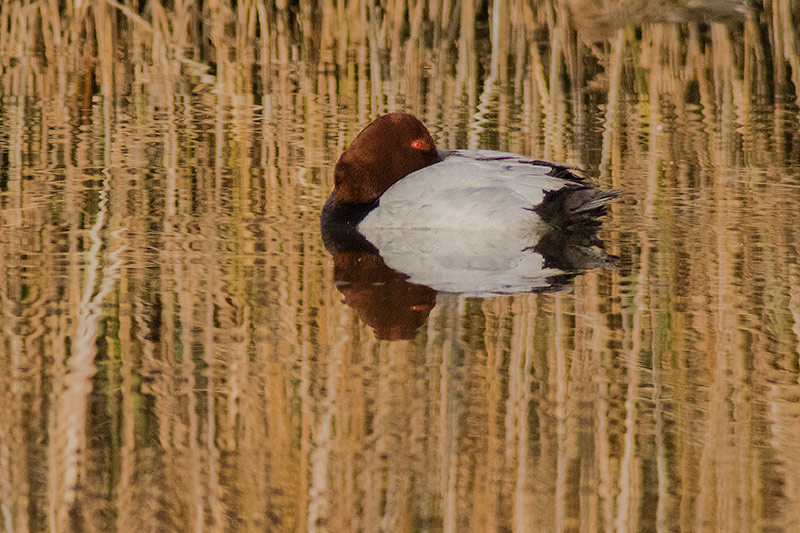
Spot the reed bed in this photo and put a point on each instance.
(177, 355)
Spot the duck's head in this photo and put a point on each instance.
(388, 149)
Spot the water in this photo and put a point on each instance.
(178, 356)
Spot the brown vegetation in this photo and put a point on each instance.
(176, 355)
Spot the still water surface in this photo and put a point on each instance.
(176, 354)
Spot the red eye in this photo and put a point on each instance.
(418, 144)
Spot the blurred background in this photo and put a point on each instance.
(175, 355)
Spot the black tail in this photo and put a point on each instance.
(574, 207)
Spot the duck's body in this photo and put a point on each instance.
(469, 190)
(473, 210)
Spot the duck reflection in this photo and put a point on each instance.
(383, 298)
(393, 289)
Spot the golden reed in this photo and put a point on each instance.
(176, 356)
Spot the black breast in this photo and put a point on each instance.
(339, 225)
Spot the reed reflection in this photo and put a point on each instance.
(161, 174)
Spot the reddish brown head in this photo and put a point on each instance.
(389, 148)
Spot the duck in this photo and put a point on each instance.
(454, 214)
(392, 176)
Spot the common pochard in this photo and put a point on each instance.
(392, 178)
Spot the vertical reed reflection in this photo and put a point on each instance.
(177, 356)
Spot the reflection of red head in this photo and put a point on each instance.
(382, 297)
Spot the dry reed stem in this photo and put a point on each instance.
(237, 364)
